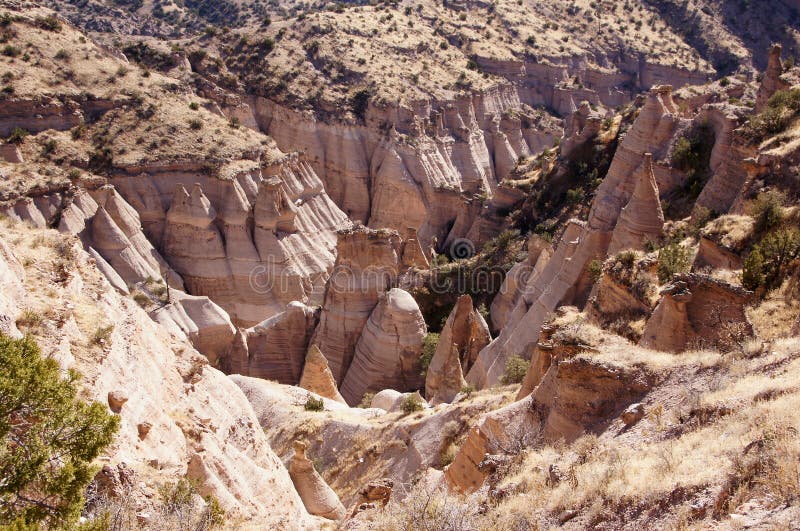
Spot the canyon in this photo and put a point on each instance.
(450, 303)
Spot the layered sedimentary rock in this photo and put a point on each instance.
(253, 238)
(581, 125)
(199, 320)
(414, 175)
(367, 265)
(575, 395)
(388, 349)
(728, 158)
(712, 254)
(642, 219)
(539, 252)
(698, 311)
(463, 336)
(274, 349)
(317, 376)
(566, 279)
(196, 422)
(318, 498)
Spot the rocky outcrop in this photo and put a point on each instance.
(641, 220)
(463, 336)
(772, 82)
(198, 320)
(367, 265)
(388, 349)
(201, 424)
(317, 376)
(10, 153)
(575, 396)
(274, 349)
(318, 498)
(539, 252)
(566, 279)
(581, 125)
(715, 256)
(697, 311)
(253, 237)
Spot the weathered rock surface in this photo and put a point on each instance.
(274, 349)
(201, 424)
(698, 311)
(317, 376)
(565, 279)
(253, 238)
(463, 336)
(198, 320)
(367, 265)
(317, 496)
(388, 349)
(642, 219)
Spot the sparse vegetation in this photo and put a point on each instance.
(314, 404)
(429, 345)
(411, 403)
(672, 259)
(516, 369)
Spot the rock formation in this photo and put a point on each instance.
(642, 219)
(463, 336)
(201, 424)
(198, 320)
(317, 376)
(274, 349)
(539, 252)
(772, 82)
(367, 265)
(388, 349)
(565, 279)
(317, 496)
(698, 311)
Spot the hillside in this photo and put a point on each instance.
(427, 266)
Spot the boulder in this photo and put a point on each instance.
(318, 498)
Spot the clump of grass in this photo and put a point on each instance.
(30, 319)
(314, 404)
(411, 404)
(102, 336)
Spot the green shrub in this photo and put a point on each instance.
(50, 438)
(672, 259)
(194, 106)
(781, 108)
(366, 400)
(49, 23)
(516, 369)
(17, 135)
(411, 403)
(767, 210)
(11, 51)
(195, 124)
(767, 264)
(359, 103)
(595, 270)
(428, 350)
(314, 404)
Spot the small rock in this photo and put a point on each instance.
(633, 414)
(566, 516)
(116, 399)
(144, 428)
